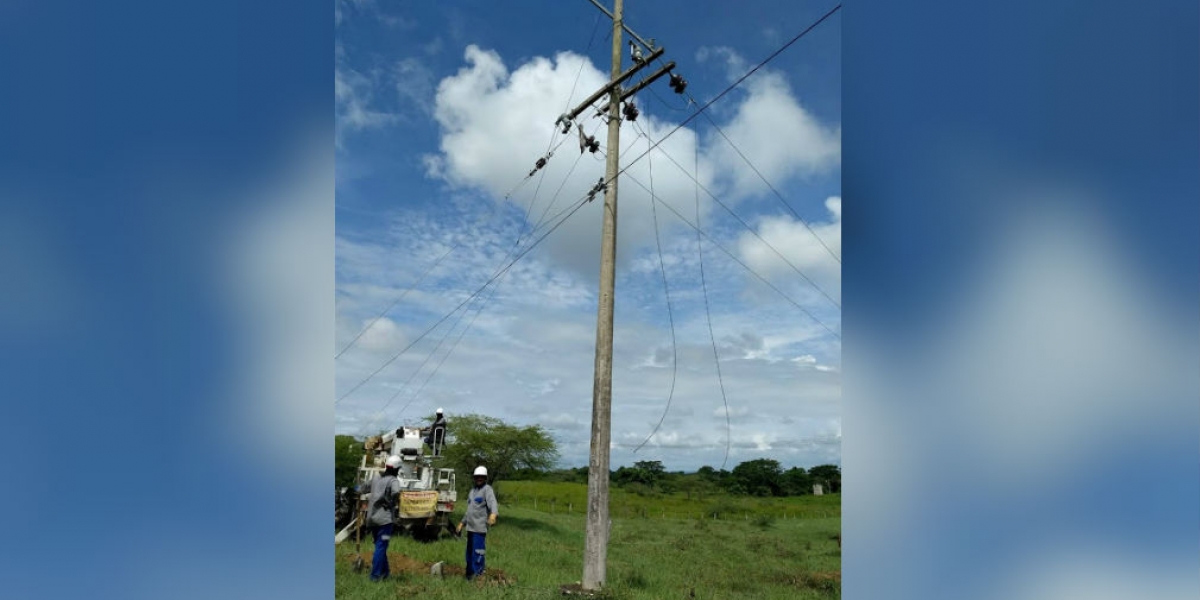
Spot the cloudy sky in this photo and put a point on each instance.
(441, 114)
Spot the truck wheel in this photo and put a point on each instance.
(423, 533)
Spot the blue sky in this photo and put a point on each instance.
(440, 113)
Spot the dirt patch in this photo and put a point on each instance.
(576, 589)
(404, 564)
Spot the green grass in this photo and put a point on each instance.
(563, 497)
(751, 555)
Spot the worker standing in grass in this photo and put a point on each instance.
(480, 514)
(381, 510)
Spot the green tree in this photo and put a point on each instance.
(347, 456)
(759, 477)
(694, 485)
(476, 440)
(796, 482)
(648, 473)
(829, 476)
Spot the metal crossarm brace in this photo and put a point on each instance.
(645, 82)
(608, 88)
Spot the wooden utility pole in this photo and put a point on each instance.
(595, 548)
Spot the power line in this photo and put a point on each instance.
(775, 191)
(487, 300)
(453, 346)
(699, 231)
(778, 195)
(700, 110)
(670, 313)
(747, 226)
(731, 87)
(458, 244)
(525, 219)
(413, 375)
(563, 183)
(479, 311)
(707, 312)
(736, 259)
(571, 212)
(591, 39)
(385, 311)
(664, 102)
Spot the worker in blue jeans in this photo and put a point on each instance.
(381, 510)
(480, 514)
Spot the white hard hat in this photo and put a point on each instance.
(393, 461)
(480, 471)
(439, 411)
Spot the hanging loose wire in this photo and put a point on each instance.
(670, 313)
(737, 260)
(707, 312)
(752, 231)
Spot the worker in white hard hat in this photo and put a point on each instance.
(435, 434)
(480, 514)
(381, 510)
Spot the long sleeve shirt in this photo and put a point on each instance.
(381, 506)
(481, 502)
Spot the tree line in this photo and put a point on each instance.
(758, 477)
(529, 453)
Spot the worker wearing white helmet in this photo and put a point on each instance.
(435, 434)
(480, 514)
(381, 509)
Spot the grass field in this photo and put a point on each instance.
(556, 497)
(750, 551)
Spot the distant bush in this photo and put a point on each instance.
(764, 520)
(722, 509)
(640, 489)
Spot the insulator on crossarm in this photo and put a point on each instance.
(678, 83)
(631, 111)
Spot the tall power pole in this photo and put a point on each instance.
(595, 548)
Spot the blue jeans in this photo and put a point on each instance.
(379, 565)
(475, 553)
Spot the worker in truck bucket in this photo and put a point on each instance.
(381, 511)
(432, 433)
(480, 514)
